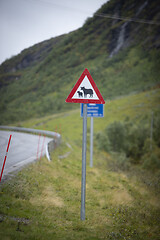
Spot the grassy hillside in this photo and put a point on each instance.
(43, 201)
(135, 107)
(37, 81)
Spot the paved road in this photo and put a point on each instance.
(23, 150)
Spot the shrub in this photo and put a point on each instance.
(136, 137)
(116, 133)
(119, 162)
(103, 142)
(127, 138)
(156, 128)
(151, 162)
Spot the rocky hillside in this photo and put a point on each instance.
(27, 58)
(120, 45)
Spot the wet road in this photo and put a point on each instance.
(24, 148)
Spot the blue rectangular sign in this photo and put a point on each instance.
(93, 110)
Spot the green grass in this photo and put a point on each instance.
(48, 194)
(119, 205)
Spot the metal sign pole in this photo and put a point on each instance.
(84, 147)
(91, 143)
(85, 90)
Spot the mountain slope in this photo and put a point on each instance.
(121, 55)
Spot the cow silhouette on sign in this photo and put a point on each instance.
(80, 94)
(87, 91)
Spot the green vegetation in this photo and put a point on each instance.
(36, 82)
(44, 93)
(135, 141)
(122, 202)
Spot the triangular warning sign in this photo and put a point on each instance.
(85, 91)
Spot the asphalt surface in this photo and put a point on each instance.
(24, 148)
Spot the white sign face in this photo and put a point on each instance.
(85, 91)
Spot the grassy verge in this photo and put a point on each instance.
(43, 200)
(48, 196)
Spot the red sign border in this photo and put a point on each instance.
(99, 101)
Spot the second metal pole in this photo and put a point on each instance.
(91, 143)
(84, 148)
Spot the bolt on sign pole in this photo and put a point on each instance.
(85, 91)
(84, 149)
(91, 143)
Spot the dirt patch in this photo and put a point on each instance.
(154, 201)
(121, 196)
(48, 198)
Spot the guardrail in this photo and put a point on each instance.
(50, 146)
